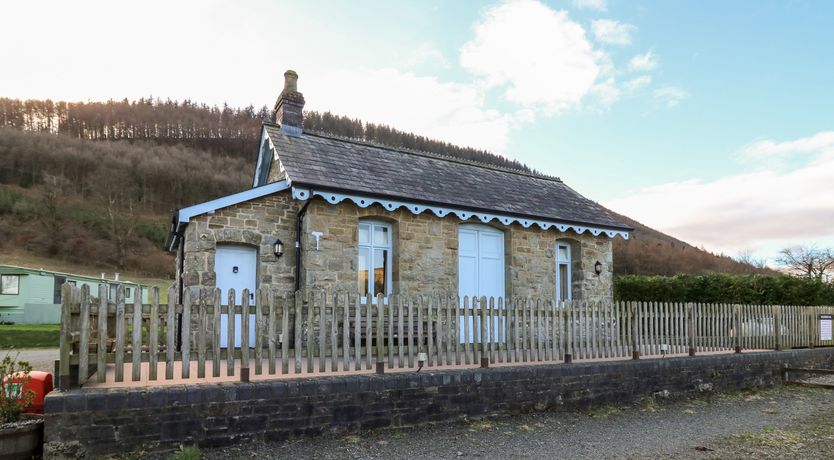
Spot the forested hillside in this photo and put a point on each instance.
(105, 203)
(94, 183)
(222, 130)
(650, 252)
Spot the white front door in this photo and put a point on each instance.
(480, 268)
(236, 267)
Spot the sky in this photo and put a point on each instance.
(709, 120)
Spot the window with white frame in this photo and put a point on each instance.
(374, 258)
(563, 272)
(56, 288)
(10, 284)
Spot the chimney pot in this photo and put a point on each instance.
(290, 105)
(290, 81)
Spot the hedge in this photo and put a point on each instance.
(725, 288)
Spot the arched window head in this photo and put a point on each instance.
(374, 265)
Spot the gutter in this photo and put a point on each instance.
(299, 218)
(175, 233)
(175, 240)
(473, 209)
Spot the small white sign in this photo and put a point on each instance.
(825, 327)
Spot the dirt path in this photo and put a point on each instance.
(786, 422)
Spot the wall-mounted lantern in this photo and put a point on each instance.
(278, 248)
(598, 268)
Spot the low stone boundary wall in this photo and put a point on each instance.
(102, 421)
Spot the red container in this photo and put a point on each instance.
(40, 383)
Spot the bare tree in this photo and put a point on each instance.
(50, 215)
(808, 261)
(747, 258)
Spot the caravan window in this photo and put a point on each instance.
(10, 284)
(56, 289)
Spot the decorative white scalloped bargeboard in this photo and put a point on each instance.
(416, 208)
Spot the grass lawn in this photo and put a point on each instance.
(29, 335)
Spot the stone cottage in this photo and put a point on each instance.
(343, 214)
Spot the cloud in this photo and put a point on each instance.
(539, 56)
(607, 93)
(752, 210)
(638, 82)
(523, 50)
(426, 54)
(642, 62)
(598, 5)
(612, 32)
(820, 142)
(670, 95)
(424, 105)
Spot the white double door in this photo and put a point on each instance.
(236, 267)
(480, 272)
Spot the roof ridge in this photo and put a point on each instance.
(427, 154)
(77, 275)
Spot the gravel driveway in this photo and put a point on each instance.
(41, 359)
(746, 424)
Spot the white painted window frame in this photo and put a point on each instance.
(370, 246)
(2, 288)
(569, 263)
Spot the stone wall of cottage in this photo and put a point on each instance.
(255, 223)
(425, 258)
(530, 257)
(424, 249)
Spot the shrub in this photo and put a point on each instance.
(186, 453)
(8, 198)
(725, 288)
(13, 400)
(154, 232)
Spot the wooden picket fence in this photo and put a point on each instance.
(314, 332)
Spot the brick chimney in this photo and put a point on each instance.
(289, 106)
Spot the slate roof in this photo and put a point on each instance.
(336, 164)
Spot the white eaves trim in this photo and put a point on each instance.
(267, 148)
(258, 166)
(185, 214)
(416, 208)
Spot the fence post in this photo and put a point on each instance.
(777, 326)
(692, 324)
(635, 351)
(737, 327)
(568, 330)
(65, 338)
(380, 330)
(244, 336)
(136, 342)
(185, 340)
(101, 351)
(483, 333)
(298, 298)
(812, 332)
